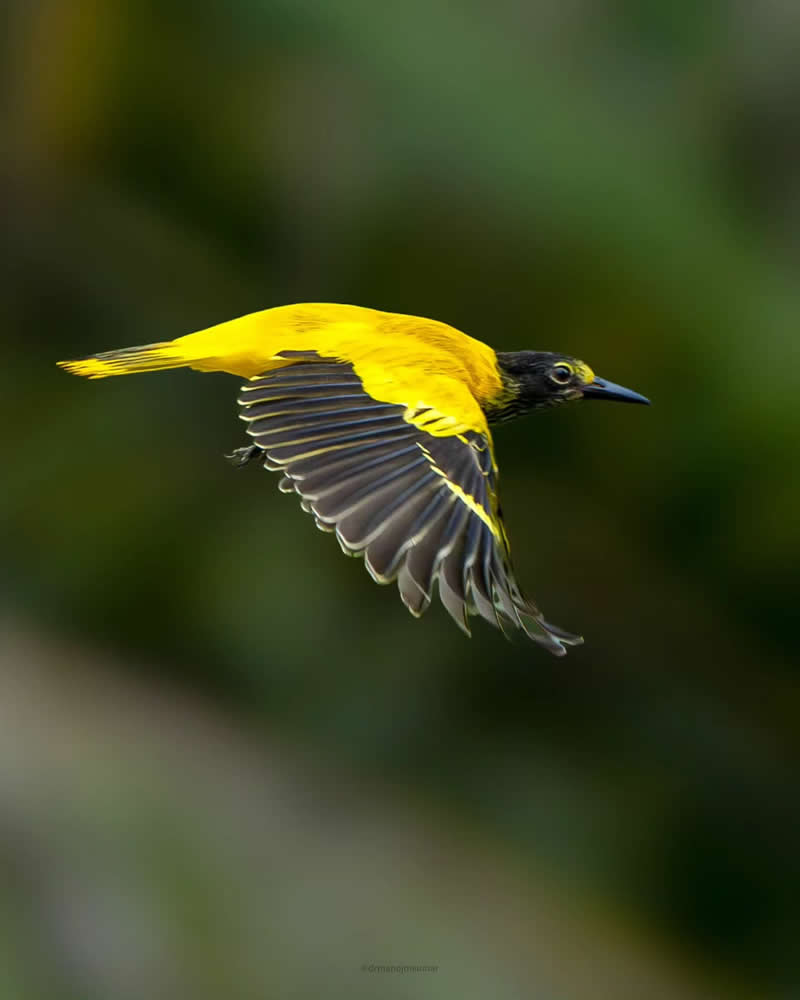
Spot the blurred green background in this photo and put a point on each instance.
(230, 764)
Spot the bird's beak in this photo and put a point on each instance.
(601, 388)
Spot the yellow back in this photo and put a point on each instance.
(416, 362)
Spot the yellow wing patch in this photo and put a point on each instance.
(437, 403)
(470, 501)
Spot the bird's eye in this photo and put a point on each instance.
(561, 374)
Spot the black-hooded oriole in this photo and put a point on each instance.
(380, 423)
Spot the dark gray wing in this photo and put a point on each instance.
(420, 509)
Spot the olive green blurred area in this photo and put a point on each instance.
(231, 764)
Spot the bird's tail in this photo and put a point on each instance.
(146, 358)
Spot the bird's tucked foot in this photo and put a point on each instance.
(241, 456)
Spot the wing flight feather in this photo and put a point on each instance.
(421, 508)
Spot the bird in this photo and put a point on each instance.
(380, 423)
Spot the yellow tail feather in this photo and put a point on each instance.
(147, 358)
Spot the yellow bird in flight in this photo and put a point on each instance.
(380, 423)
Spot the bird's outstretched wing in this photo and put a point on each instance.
(406, 487)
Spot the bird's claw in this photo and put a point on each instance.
(241, 456)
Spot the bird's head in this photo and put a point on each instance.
(534, 379)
